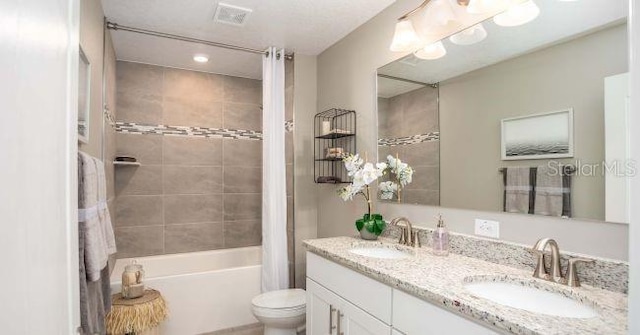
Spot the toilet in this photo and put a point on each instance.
(281, 312)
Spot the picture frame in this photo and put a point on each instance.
(538, 136)
(84, 96)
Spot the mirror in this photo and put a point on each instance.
(529, 120)
(84, 87)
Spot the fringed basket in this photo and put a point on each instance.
(135, 316)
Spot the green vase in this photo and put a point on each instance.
(370, 226)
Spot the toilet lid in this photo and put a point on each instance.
(281, 299)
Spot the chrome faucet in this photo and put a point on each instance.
(541, 271)
(407, 236)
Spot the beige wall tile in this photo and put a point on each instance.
(180, 111)
(192, 85)
(141, 180)
(242, 153)
(242, 233)
(289, 179)
(140, 108)
(243, 90)
(138, 210)
(242, 116)
(193, 237)
(182, 150)
(192, 179)
(425, 154)
(139, 90)
(139, 241)
(240, 179)
(288, 103)
(242, 207)
(193, 208)
(420, 112)
(141, 79)
(288, 147)
(425, 178)
(147, 149)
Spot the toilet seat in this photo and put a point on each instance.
(282, 302)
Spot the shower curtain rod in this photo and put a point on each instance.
(115, 26)
(407, 80)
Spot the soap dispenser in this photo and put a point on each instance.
(440, 238)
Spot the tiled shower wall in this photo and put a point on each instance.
(401, 119)
(190, 193)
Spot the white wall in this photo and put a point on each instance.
(634, 130)
(38, 201)
(346, 79)
(304, 105)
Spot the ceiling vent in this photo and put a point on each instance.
(233, 15)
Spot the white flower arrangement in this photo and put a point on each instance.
(403, 175)
(365, 173)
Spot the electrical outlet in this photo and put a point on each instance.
(487, 228)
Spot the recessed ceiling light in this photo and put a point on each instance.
(200, 58)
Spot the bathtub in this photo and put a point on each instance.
(205, 291)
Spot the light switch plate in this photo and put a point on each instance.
(487, 228)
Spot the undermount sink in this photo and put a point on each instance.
(531, 299)
(380, 252)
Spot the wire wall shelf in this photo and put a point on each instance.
(334, 138)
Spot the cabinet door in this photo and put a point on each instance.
(322, 306)
(354, 321)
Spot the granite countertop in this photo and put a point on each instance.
(441, 280)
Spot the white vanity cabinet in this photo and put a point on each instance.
(341, 301)
(327, 313)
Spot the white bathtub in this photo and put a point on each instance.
(205, 291)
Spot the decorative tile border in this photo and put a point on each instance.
(134, 128)
(110, 118)
(604, 273)
(391, 142)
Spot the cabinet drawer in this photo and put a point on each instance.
(371, 296)
(413, 316)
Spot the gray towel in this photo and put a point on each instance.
(95, 297)
(93, 215)
(96, 243)
(551, 193)
(517, 190)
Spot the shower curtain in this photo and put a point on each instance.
(275, 274)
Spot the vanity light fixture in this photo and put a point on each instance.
(438, 18)
(519, 12)
(201, 58)
(405, 38)
(469, 36)
(433, 18)
(432, 51)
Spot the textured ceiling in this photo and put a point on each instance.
(303, 26)
(558, 22)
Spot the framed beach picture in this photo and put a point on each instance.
(538, 136)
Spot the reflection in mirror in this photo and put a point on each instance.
(408, 129)
(553, 91)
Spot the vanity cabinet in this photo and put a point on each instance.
(341, 301)
(327, 313)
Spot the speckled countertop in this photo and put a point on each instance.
(441, 280)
